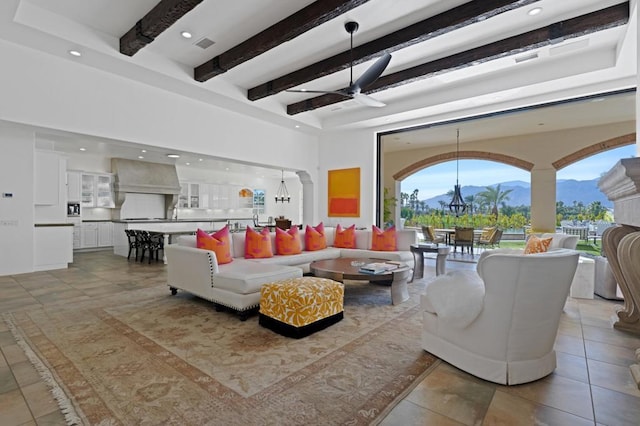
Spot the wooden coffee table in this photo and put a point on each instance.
(341, 269)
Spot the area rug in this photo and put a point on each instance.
(145, 357)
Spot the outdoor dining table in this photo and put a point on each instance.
(451, 231)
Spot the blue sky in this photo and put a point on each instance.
(439, 179)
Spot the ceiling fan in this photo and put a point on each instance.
(354, 91)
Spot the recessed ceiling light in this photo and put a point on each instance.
(173, 156)
(140, 157)
(200, 159)
(186, 34)
(75, 53)
(297, 126)
(83, 149)
(534, 11)
(144, 150)
(188, 164)
(226, 168)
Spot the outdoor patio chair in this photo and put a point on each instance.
(430, 235)
(463, 237)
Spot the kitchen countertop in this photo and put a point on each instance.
(223, 219)
(38, 225)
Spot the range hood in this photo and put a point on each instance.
(143, 177)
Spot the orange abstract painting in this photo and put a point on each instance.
(344, 192)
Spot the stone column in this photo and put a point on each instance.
(543, 200)
(622, 243)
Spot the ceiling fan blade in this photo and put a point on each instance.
(372, 74)
(367, 100)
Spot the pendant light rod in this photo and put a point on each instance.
(457, 204)
(283, 195)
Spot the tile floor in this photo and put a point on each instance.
(592, 384)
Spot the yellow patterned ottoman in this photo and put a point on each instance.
(298, 307)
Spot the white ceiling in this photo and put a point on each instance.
(588, 65)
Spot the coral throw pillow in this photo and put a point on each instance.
(314, 238)
(217, 242)
(288, 242)
(537, 245)
(383, 240)
(345, 238)
(257, 245)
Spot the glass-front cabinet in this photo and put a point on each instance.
(189, 196)
(97, 190)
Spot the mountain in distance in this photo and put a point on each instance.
(567, 191)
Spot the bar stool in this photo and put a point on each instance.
(152, 243)
(134, 244)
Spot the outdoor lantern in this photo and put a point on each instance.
(457, 204)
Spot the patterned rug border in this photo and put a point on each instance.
(67, 408)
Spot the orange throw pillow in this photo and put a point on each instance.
(345, 238)
(383, 240)
(288, 242)
(217, 242)
(537, 245)
(314, 238)
(257, 245)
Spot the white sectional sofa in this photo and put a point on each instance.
(236, 285)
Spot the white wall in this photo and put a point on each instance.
(17, 212)
(54, 93)
(344, 150)
(57, 93)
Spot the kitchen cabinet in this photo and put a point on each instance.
(96, 234)
(73, 186)
(190, 195)
(47, 178)
(52, 246)
(105, 234)
(77, 233)
(97, 190)
(197, 195)
(89, 235)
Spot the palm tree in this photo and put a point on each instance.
(493, 196)
(470, 201)
(404, 199)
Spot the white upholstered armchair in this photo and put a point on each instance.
(500, 323)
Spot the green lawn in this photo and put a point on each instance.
(587, 247)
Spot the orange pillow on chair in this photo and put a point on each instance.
(288, 242)
(383, 240)
(257, 245)
(217, 242)
(537, 245)
(345, 238)
(314, 238)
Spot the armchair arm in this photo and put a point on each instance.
(456, 297)
(191, 269)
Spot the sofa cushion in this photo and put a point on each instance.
(400, 256)
(305, 257)
(345, 238)
(537, 245)
(383, 240)
(244, 276)
(257, 245)
(314, 238)
(218, 242)
(288, 242)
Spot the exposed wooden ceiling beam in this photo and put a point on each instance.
(419, 32)
(586, 24)
(161, 17)
(292, 26)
